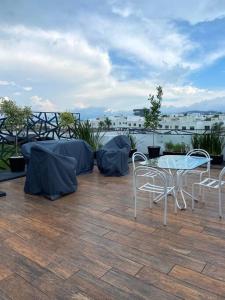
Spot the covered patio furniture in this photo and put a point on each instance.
(112, 159)
(78, 149)
(50, 174)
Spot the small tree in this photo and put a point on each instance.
(67, 120)
(101, 125)
(152, 115)
(108, 123)
(16, 117)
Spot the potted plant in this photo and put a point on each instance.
(16, 119)
(84, 131)
(133, 144)
(152, 118)
(213, 142)
(175, 149)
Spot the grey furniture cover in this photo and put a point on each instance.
(112, 159)
(78, 149)
(50, 174)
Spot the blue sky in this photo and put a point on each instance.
(73, 55)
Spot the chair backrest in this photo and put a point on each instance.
(163, 179)
(201, 152)
(198, 151)
(137, 156)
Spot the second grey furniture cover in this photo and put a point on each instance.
(78, 149)
(112, 159)
(50, 174)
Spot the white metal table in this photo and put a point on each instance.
(177, 165)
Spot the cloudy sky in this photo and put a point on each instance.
(110, 54)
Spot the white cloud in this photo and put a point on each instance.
(180, 96)
(40, 104)
(152, 42)
(59, 54)
(76, 70)
(17, 93)
(27, 88)
(194, 11)
(5, 83)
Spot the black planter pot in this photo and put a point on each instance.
(153, 151)
(216, 159)
(132, 151)
(17, 163)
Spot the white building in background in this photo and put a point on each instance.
(119, 122)
(194, 121)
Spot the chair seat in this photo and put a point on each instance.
(148, 174)
(195, 171)
(211, 183)
(148, 187)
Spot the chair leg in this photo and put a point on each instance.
(135, 198)
(165, 211)
(220, 203)
(175, 202)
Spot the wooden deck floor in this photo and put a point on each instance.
(88, 246)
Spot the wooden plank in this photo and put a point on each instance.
(4, 272)
(216, 271)
(135, 286)
(17, 288)
(54, 287)
(43, 258)
(19, 264)
(154, 260)
(63, 267)
(151, 247)
(99, 289)
(200, 280)
(173, 286)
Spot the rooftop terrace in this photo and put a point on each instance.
(88, 246)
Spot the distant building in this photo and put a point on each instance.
(190, 122)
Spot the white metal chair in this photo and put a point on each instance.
(199, 172)
(161, 189)
(211, 183)
(137, 157)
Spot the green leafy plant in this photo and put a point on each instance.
(152, 115)
(177, 147)
(169, 146)
(16, 117)
(101, 125)
(213, 142)
(108, 123)
(85, 132)
(67, 120)
(133, 142)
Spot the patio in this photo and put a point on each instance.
(88, 246)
